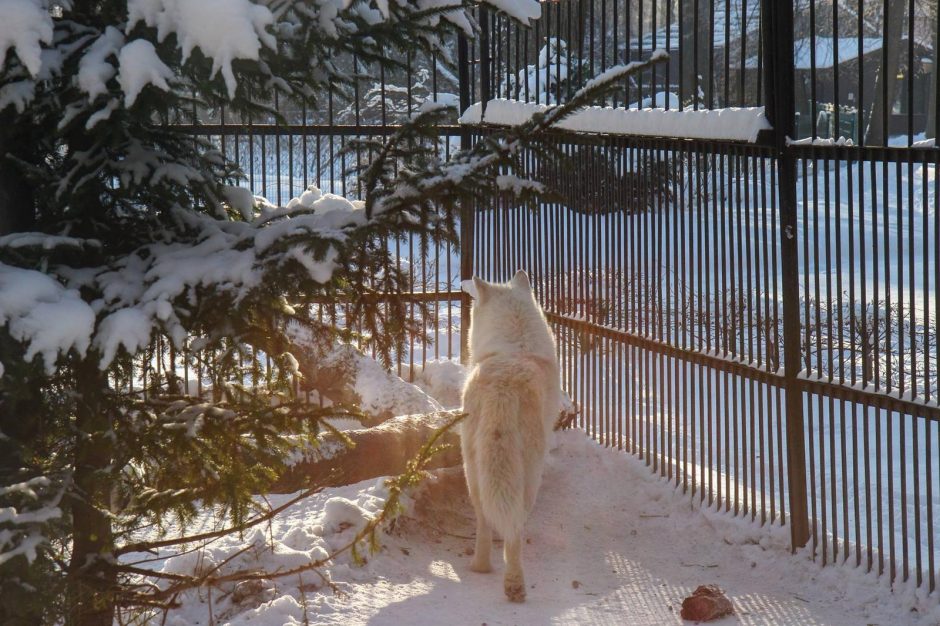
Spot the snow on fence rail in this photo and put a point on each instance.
(731, 124)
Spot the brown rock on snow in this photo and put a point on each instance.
(706, 603)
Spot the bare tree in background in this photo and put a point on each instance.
(886, 83)
(932, 12)
(691, 88)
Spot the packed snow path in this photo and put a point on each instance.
(608, 543)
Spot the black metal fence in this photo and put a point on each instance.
(762, 328)
(757, 321)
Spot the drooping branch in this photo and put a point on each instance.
(433, 446)
(396, 190)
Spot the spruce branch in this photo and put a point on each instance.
(366, 535)
(399, 185)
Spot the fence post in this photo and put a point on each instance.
(467, 210)
(485, 91)
(777, 26)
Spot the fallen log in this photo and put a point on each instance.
(382, 450)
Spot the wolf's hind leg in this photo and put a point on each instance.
(514, 581)
(484, 541)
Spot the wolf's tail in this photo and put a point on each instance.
(511, 444)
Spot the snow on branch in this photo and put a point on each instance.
(26, 24)
(43, 314)
(140, 66)
(139, 291)
(223, 30)
(21, 526)
(522, 10)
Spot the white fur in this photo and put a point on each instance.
(512, 400)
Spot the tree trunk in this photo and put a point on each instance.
(694, 32)
(91, 580)
(382, 450)
(887, 80)
(16, 195)
(932, 110)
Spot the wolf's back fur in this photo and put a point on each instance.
(512, 400)
(506, 440)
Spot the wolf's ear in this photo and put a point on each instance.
(481, 290)
(521, 281)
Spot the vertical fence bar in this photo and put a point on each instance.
(466, 212)
(777, 24)
(485, 90)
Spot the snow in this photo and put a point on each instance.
(662, 100)
(20, 529)
(329, 212)
(10, 515)
(918, 140)
(517, 185)
(339, 512)
(442, 379)
(25, 25)
(94, 69)
(27, 543)
(541, 79)
(25, 487)
(129, 328)
(731, 124)
(240, 199)
(847, 49)
(821, 141)
(623, 70)
(521, 10)
(17, 94)
(381, 393)
(607, 542)
(102, 114)
(43, 314)
(223, 30)
(46, 242)
(140, 66)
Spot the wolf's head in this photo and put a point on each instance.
(506, 318)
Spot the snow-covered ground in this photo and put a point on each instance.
(608, 543)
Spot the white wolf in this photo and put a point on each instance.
(512, 401)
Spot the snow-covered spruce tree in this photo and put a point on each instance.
(120, 233)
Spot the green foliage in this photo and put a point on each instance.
(113, 188)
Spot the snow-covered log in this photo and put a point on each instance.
(382, 450)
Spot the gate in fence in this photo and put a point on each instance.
(757, 320)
